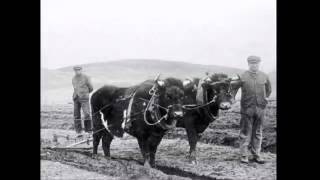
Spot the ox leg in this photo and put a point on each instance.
(154, 141)
(96, 141)
(96, 125)
(192, 138)
(144, 148)
(141, 148)
(106, 141)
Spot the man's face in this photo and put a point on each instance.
(254, 66)
(78, 71)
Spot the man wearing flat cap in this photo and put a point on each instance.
(255, 88)
(82, 88)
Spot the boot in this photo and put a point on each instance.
(244, 159)
(258, 159)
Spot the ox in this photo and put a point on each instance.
(220, 95)
(145, 111)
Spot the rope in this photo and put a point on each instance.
(153, 93)
(152, 90)
(154, 104)
(235, 112)
(198, 106)
(105, 106)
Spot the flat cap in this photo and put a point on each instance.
(254, 59)
(77, 68)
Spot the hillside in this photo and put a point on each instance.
(56, 84)
(128, 72)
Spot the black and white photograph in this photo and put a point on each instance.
(161, 90)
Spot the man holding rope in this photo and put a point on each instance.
(255, 88)
(82, 88)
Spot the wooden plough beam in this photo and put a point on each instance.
(81, 142)
(55, 139)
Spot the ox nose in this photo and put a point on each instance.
(225, 105)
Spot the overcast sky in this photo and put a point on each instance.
(217, 32)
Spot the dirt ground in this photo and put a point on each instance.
(217, 152)
(62, 171)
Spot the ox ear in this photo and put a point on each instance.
(186, 82)
(235, 78)
(207, 80)
(160, 82)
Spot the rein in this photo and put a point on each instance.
(146, 100)
(235, 112)
(187, 106)
(152, 92)
(195, 106)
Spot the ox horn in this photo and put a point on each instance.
(158, 81)
(235, 78)
(157, 77)
(216, 83)
(187, 81)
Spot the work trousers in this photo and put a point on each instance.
(84, 105)
(251, 125)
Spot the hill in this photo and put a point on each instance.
(134, 71)
(56, 84)
(129, 72)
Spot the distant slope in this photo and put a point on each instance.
(129, 72)
(56, 84)
(51, 79)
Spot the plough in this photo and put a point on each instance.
(56, 136)
(68, 138)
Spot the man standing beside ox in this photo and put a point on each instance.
(82, 88)
(255, 88)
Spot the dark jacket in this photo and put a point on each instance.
(82, 87)
(255, 87)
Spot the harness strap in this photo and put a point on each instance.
(151, 107)
(128, 112)
(105, 123)
(195, 106)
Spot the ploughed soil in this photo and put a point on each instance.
(217, 151)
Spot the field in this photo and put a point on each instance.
(217, 151)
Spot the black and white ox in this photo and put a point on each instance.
(219, 94)
(151, 108)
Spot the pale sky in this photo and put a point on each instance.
(216, 32)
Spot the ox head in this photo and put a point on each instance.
(171, 94)
(221, 90)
